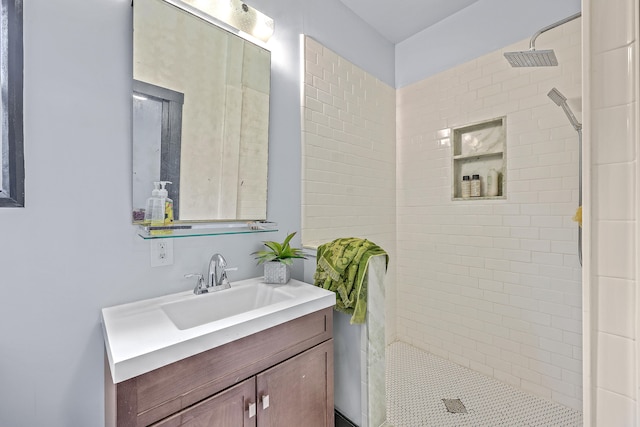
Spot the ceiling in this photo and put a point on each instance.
(398, 20)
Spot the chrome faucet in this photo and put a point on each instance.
(218, 273)
(216, 276)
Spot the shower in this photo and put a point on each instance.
(561, 101)
(547, 58)
(537, 58)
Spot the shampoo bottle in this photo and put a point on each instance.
(475, 185)
(149, 206)
(492, 183)
(465, 187)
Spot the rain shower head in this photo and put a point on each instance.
(537, 58)
(561, 101)
(532, 58)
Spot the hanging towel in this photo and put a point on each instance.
(341, 268)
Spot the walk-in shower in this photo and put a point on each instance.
(537, 58)
(561, 101)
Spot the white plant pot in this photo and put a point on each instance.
(276, 272)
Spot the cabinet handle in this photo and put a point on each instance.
(265, 401)
(252, 410)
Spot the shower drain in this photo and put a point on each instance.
(455, 406)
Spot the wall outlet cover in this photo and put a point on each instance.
(161, 252)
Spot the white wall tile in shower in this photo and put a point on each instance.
(614, 410)
(348, 157)
(617, 18)
(613, 77)
(617, 357)
(615, 191)
(615, 130)
(614, 249)
(494, 284)
(620, 294)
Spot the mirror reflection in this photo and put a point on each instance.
(200, 116)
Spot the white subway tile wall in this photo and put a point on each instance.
(495, 285)
(348, 158)
(612, 56)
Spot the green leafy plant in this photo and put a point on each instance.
(280, 252)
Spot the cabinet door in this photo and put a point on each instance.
(299, 391)
(229, 408)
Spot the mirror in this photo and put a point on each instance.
(11, 122)
(200, 115)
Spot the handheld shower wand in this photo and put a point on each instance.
(561, 101)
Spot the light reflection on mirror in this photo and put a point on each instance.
(203, 122)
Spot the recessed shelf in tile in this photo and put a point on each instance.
(477, 149)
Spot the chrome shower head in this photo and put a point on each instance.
(561, 101)
(532, 58)
(537, 58)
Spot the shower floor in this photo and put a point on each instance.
(418, 381)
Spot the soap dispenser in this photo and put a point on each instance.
(157, 212)
(149, 207)
(168, 203)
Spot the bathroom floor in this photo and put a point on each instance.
(417, 383)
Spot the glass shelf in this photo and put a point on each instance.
(205, 229)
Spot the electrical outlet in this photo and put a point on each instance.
(161, 252)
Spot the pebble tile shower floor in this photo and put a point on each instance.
(417, 383)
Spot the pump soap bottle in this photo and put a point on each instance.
(149, 206)
(168, 203)
(157, 214)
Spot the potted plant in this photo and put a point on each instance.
(277, 260)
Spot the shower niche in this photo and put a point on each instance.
(480, 149)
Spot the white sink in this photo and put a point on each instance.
(145, 335)
(208, 308)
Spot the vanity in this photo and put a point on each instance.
(253, 355)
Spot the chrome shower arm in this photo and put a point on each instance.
(532, 43)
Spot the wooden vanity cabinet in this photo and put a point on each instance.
(298, 390)
(285, 371)
(225, 409)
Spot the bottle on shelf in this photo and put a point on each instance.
(492, 183)
(168, 203)
(475, 186)
(149, 207)
(465, 187)
(159, 212)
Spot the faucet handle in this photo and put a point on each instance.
(200, 285)
(224, 280)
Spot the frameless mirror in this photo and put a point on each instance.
(200, 115)
(11, 120)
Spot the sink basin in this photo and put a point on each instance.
(145, 335)
(219, 305)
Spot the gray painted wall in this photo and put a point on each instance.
(483, 27)
(72, 250)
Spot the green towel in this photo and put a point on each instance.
(341, 268)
